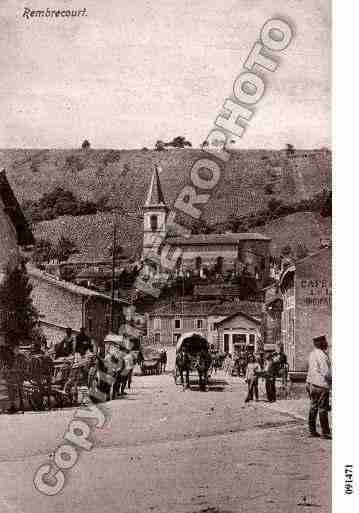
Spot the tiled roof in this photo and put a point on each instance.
(206, 308)
(71, 287)
(217, 238)
(13, 210)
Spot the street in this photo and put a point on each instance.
(168, 450)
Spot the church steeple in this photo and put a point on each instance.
(155, 195)
(154, 214)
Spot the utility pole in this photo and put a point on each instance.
(113, 276)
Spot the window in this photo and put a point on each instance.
(89, 321)
(179, 263)
(239, 339)
(252, 339)
(198, 263)
(154, 223)
(157, 324)
(177, 324)
(175, 338)
(219, 264)
(157, 338)
(199, 324)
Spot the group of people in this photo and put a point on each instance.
(271, 367)
(318, 383)
(253, 366)
(71, 345)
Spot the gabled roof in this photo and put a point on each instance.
(243, 314)
(216, 238)
(13, 210)
(67, 285)
(155, 195)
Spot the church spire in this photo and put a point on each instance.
(155, 195)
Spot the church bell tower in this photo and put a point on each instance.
(154, 215)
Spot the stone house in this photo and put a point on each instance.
(305, 288)
(62, 304)
(166, 324)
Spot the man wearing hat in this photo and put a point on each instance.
(319, 382)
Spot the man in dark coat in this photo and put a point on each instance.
(66, 346)
(83, 342)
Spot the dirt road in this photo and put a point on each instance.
(166, 450)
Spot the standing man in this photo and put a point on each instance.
(163, 360)
(66, 346)
(319, 382)
(83, 343)
(269, 369)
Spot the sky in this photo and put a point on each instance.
(130, 73)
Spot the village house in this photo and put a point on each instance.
(62, 304)
(14, 229)
(305, 288)
(14, 233)
(166, 324)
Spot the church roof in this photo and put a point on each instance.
(155, 195)
(216, 238)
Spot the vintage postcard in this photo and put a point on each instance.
(165, 257)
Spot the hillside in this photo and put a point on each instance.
(93, 234)
(123, 176)
(120, 179)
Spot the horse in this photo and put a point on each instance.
(202, 365)
(183, 364)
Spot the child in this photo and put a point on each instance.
(251, 378)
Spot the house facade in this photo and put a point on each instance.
(238, 332)
(166, 324)
(306, 294)
(62, 304)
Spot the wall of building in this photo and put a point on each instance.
(98, 318)
(167, 327)
(313, 293)
(56, 306)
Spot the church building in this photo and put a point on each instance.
(204, 255)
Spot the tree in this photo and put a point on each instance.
(290, 149)
(85, 145)
(19, 320)
(160, 146)
(179, 142)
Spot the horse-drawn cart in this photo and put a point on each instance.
(192, 358)
(42, 381)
